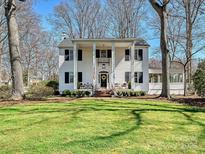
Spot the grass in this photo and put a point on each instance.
(102, 126)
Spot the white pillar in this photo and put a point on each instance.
(75, 65)
(132, 66)
(94, 66)
(113, 66)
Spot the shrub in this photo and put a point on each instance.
(73, 93)
(5, 92)
(87, 93)
(199, 79)
(118, 93)
(39, 90)
(80, 93)
(132, 93)
(66, 93)
(129, 85)
(53, 84)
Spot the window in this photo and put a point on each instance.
(155, 78)
(176, 77)
(139, 54)
(80, 77)
(138, 77)
(68, 55)
(127, 76)
(68, 77)
(103, 54)
(127, 55)
(80, 55)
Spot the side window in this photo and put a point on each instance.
(139, 54)
(71, 55)
(138, 77)
(68, 77)
(66, 55)
(127, 76)
(80, 55)
(127, 55)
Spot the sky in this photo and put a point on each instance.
(45, 7)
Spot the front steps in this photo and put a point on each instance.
(103, 93)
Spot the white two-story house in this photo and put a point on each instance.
(103, 64)
(100, 64)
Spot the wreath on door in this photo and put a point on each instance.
(103, 77)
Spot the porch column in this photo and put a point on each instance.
(113, 66)
(132, 66)
(75, 65)
(94, 66)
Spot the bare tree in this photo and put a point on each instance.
(125, 17)
(79, 18)
(14, 50)
(161, 9)
(191, 12)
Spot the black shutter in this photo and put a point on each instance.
(136, 54)
(80, 77)
(66, 77)
(97, 53)
(80, 55)
(140, 54)
(127, 52)
(140, 77)
(66, 55)
(109, 53)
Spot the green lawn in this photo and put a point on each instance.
(102, 126)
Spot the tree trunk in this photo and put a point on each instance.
(165, 56)
(1, 52)
(161, 9)
(185, 83)
(189, 40)
(14, 51)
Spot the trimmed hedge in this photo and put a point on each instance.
(129, 93)
(75, 93)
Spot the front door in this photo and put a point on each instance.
(104, 80)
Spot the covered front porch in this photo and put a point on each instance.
(103, 61)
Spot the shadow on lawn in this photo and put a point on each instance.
(136, 111)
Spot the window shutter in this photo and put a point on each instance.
(127, 52)
(66, 55)
(80, 55)
(140, 54)
(109, 53)
(97, 53)
(66, 77)
(80, 77)
(140, 77)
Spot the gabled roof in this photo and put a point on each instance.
(69, 42)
